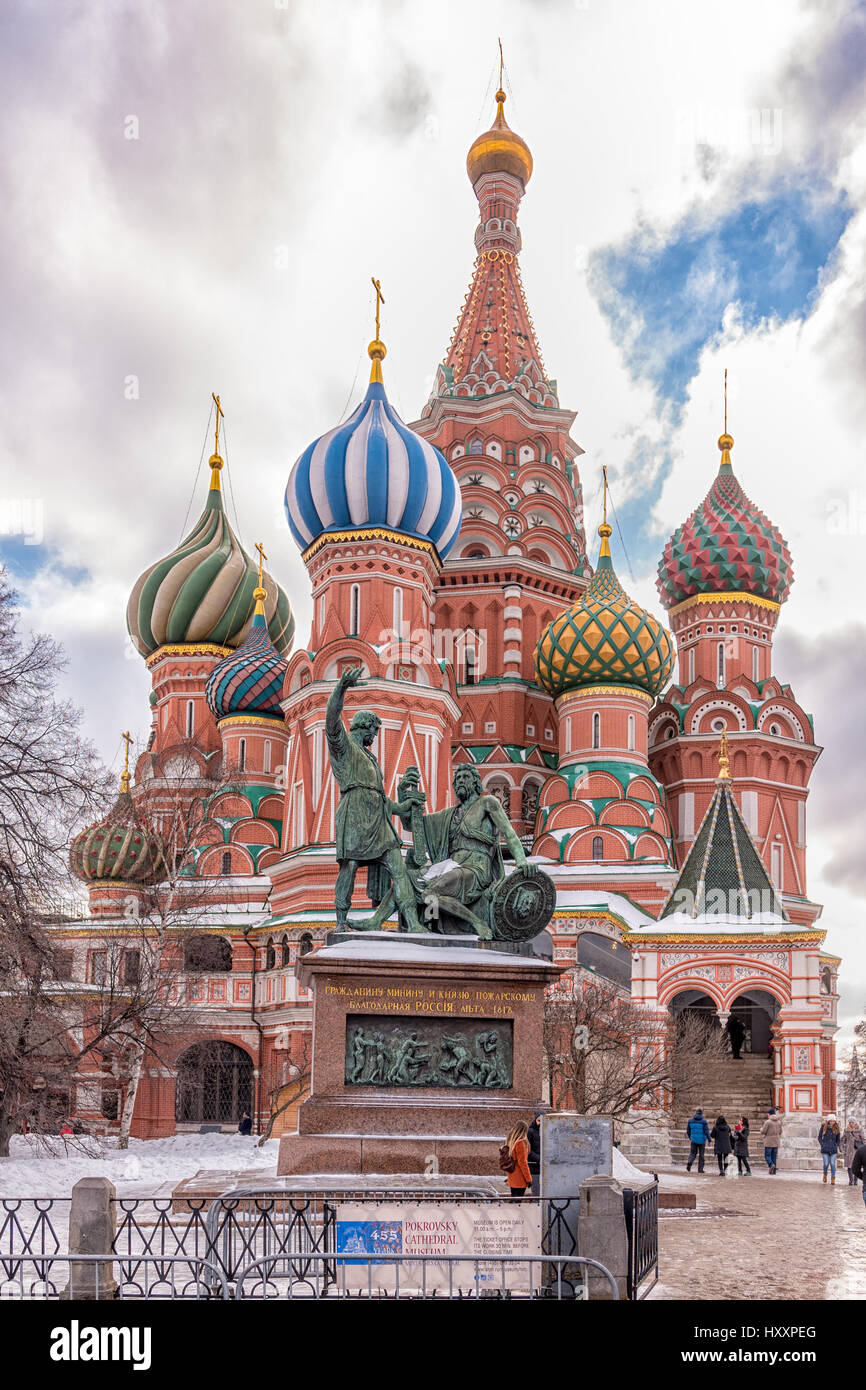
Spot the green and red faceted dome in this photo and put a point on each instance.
(120, 848)
(726, 546)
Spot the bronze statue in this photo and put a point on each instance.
(365, 833)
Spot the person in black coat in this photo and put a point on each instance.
(736, 1032)
(721, 1132)
(533, 1135)
(858, 1168)
(246, 1124)
(741, 1147)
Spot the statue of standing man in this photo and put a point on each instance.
(365, 831)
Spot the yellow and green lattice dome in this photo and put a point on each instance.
(604, 639)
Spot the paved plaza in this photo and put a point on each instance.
(762, 1237)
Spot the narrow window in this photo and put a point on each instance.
(720, 664)
(631, 732)
(355, 611)
(470, 666)
(267, 756)
(756, 662)
(306, 943)
(596, 730)
(597, 847)
(242, 754)
(567, 735)
(691, 665)
(398, 613)
(190, 718)
(776, 867)
(227, 862)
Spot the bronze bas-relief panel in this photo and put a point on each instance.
(384, 1051)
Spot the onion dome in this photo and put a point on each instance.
(203, 591)
(373, 471)
(604, 638)
(119, 848)
(727, 546)
(250, 681)
(499, 150)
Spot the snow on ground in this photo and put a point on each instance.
(148, 1166)
(626, 1172)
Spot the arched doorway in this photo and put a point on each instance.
(756, 1009)
(693, 1004)
(214, 1084)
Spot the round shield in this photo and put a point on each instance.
(522, 905)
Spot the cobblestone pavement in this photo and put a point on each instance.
(763, 1237)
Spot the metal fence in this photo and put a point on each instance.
(641, 1206)
(98, 1277)
(241, 1230)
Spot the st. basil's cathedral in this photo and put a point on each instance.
(448, 560)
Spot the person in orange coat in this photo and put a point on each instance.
(517, 1144)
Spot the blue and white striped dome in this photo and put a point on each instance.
(373, 471)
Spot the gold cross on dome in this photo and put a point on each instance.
(380, 299)
(220, 414)
(127, 739)
(262, 557)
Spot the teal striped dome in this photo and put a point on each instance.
(203, 591)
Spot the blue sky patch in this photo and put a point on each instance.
(24, 560)
(666, 298)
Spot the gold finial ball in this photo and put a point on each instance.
(376, 350)
(500, 96)
(216, 461)
(726, 441)
(260, 594)
(605, 530)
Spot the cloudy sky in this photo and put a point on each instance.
(195, 194)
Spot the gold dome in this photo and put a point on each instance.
(499, 150)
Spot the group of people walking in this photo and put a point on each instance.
(850, 1143)
(832, 1141)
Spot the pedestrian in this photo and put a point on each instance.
(66, 1128)
(829, 1140)
(246, 1124)
(858, 1168)
(771, 1132)
(736, 1032)
(852, 1140)
(741, 1146)
(533, 1135)
(698, 1132)
(514, 1159)
(721, 1132)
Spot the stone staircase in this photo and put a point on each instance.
(732, 1089)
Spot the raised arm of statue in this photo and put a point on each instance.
(335, 729)
(506, 829)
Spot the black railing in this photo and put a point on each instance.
(641, 1206)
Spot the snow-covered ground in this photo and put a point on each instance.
(147, 1167)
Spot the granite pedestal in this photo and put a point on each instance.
(425, 1051)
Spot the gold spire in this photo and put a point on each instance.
(125, 775)
(376, 349)
(726, 443)
(499, 149)
(724, 765)
(604, 529)
(216, 462)
(260, 593)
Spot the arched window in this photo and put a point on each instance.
(596, 730)
(475, 446)
(777, 867)
(826, 980)
(210, 955)
(226, 862)
(214, 1084)
(270, 954)
(597, 847)
(242, 754)
(631, 732)
(469, 660)
(305, 945)
(720, 664)
(267, 756)
(355, 611)
(285, 951)
(190, 718)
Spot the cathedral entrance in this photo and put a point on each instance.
(756, 1011)
(214, 1084)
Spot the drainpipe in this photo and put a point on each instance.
(247, 931)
